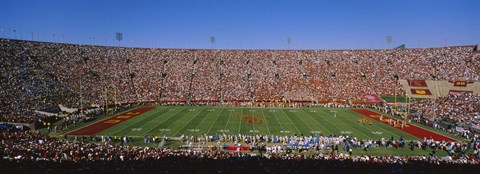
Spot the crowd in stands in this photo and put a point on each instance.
(35, 75)
(25, 85)
(462, 110)
(38, 75)
(286, 144)
(32, 150)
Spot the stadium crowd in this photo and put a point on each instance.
(39, 75)
(286, 144)
(35, 75)
(462, 110)
(32, 150)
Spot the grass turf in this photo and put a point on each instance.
(399, 99)
(178, 120)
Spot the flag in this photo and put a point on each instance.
(119, 36)
(400, 46)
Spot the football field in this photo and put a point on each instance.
(174, 121)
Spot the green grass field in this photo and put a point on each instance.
(175, 121)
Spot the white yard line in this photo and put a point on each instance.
(132, 123)
(163, 121)
(304, 122)
(317, 122)
(215, 121)
(240, 124)
(268, 129)
(361, 132)
(229, 115)
(291, 122)
(186, 123)
(281, 127)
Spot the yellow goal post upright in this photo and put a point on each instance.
(106, 101)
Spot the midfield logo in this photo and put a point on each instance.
(253, 118)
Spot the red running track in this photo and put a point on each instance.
(110, 122)
(409, 128)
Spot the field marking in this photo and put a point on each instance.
(253, 131)
(164, 130)
(406, 133)
(128, 124)
(102, 125)
(356, 125)
(266, 123)
(344, 120)
(353, 125)
(240, 123)
(281, 127)
(152, 121)
(301, 119)
(229, 115)
(329, 122)
(154, 126)
(136, 129)
(375, 125)
(416, 125)
(187, 122)
(253, 124)
(346, 132)
(133, 123)
(311, 116)
(111, 121)
(292, 122)
(215, 121)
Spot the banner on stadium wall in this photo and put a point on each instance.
(421, 92)
(457, 92)
(459, 129)
(417, 83)
(460, 83)
(45, 113)
(372, 98)
(67, 110)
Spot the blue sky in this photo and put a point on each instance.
(245, 24)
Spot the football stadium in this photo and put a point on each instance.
(86, 106)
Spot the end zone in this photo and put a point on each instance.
(409, 128)
(110, 122)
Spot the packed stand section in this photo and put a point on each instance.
(29, 150)
(36, 75)
(462, 110)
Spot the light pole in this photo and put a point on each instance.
(212, 40)
(85, 59)
(289, 40)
